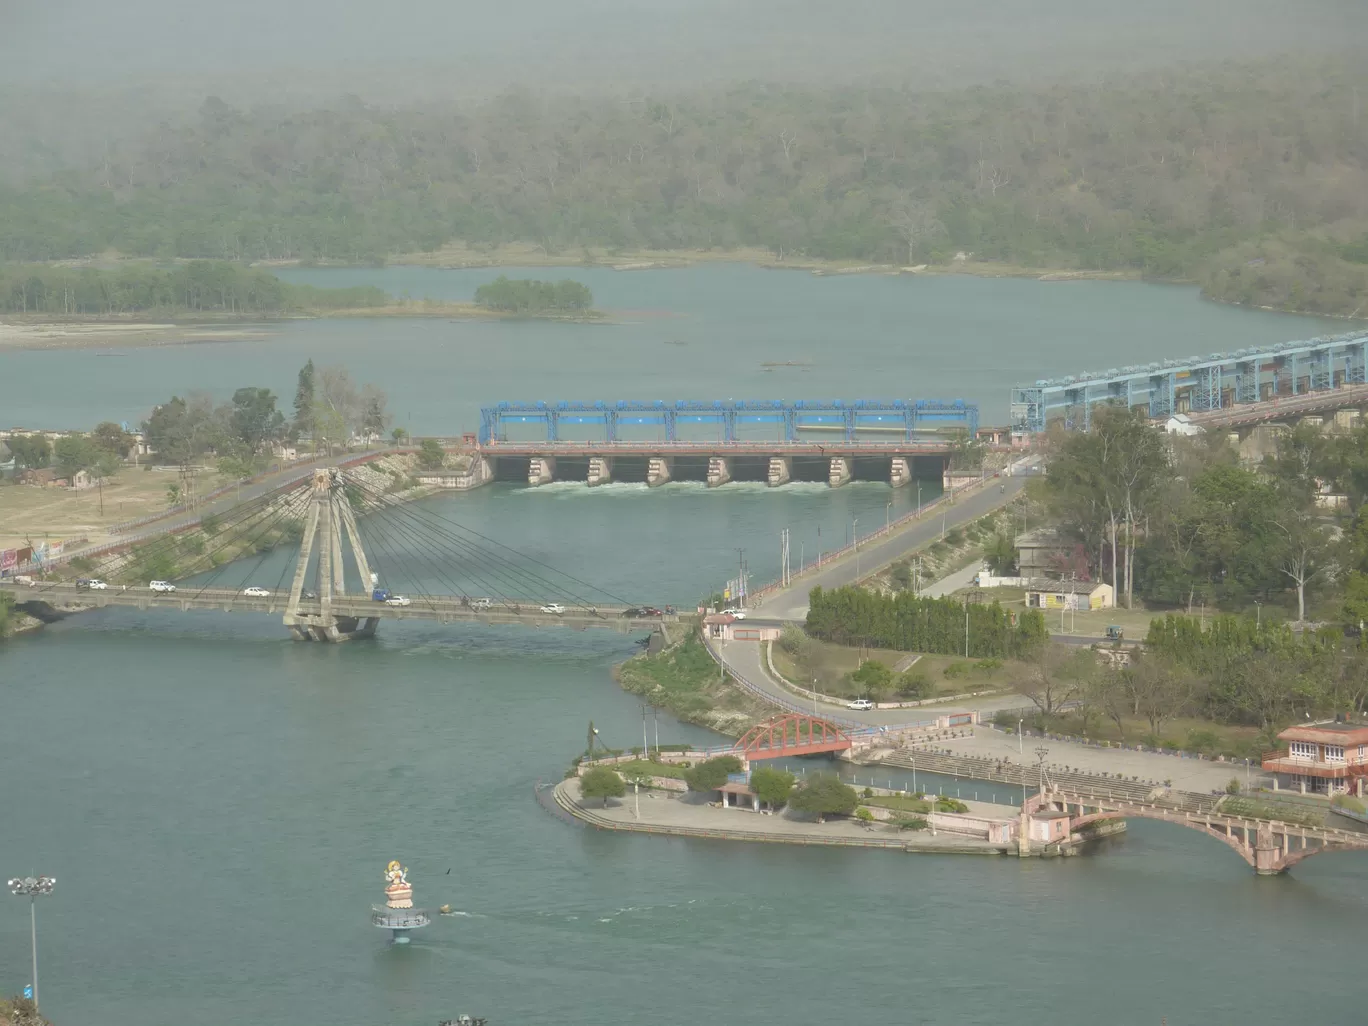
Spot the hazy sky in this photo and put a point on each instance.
(401, 46)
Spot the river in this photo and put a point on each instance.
(217, 802)
(712, 331)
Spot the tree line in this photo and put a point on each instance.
(200, 286)
(1180, 522)
(1248, 177)
(529, 296)
(854, 616)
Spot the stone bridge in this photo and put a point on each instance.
(1269, 846)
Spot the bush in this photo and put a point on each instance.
(868, 792)
(872, 676)
(909, 823)
(956, 670)
(825, 795)
(864, 816)
(431, 456)
(914, 683)
(1349, 802)
(1233, 786)
(602, 782)
(950, 805)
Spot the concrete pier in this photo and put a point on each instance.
(899, 472)
(541, 470)
(719, 471)
(840, 471)
(780, 471)
(659, 470)
(600, 470)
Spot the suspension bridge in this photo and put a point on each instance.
(356, 547)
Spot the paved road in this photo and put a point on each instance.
(748, 659)
(441, 609)
(791, 603)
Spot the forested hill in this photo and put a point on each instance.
(1252, 179)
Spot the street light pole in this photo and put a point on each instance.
(918, 500)
(888, 518)
(32, 887)
(855, 540)
(1020, 747)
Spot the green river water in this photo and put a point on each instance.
(218, 802)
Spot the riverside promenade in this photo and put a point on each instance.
(689, 816)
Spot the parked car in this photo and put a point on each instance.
(554, 607)
(481, 603)
(740, 614)
(860, 703)
(254, 591)
(398, 600)
(165, 587)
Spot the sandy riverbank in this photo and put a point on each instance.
(94, 334)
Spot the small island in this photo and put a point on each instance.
(528, 297)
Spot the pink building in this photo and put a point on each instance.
(1322, 758)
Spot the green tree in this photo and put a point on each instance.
(431, 455)
(915, 683)
(873, 677)
(254, 419)
(772, 786)
(1001, 555)
(112, 438)
(74, 453)
(602, 782)
(711, 774)
(31, 452)
(399, 436)
(824, 794)
(374, 415)
(900, 574)
(304, 401)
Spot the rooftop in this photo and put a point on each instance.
(1331, 731)
(1064, 587)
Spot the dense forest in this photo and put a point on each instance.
(1251, 178)
(197, 287)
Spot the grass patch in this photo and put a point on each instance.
(1253, 808)
(832, 665)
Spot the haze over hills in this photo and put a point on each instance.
(1196, 140)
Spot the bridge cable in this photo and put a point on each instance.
(473, 562)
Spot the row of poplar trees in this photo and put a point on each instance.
(853, 616)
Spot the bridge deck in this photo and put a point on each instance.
(440, 609)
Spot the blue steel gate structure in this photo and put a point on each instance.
(915, 417)
(1200, 384)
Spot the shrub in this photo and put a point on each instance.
(909, 823)
(950, 805)
(1233, 786)
(825, 795)
(868, 792)
(957, 670)
(1349, 802)
(914, 683)
(864, 816)
(954, 537)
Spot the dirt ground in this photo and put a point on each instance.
(29, 514)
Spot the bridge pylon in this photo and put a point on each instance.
(328, 521)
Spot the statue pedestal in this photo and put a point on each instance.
(399, 921)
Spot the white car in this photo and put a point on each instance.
(398, 600)
(740, 614)
(481, 603)
(554, 607)
(166, 587)
(860, 703)
(256, 592)
(98, 586)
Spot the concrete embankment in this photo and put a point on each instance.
(676, 817)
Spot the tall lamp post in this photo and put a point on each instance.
(32, 887)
